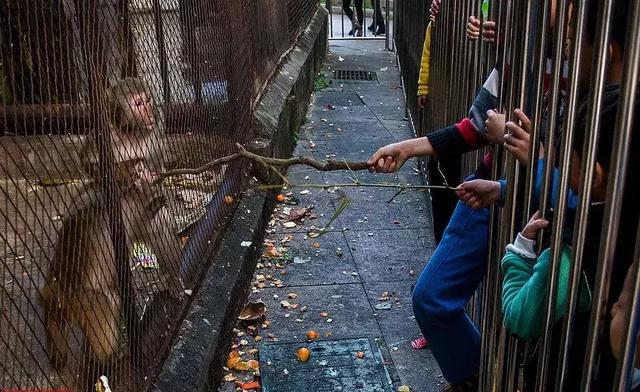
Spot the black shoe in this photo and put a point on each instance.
(351, 32)
(372, 27)
(381, 30)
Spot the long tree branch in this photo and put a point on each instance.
(329, 165)
(284, 163)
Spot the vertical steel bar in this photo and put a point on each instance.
(547, 187)
(578, 23)
(328, 6)
(387, 39)
(624, 123)
(598, 77)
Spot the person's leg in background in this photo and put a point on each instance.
(360, 12)
(443, 202)
(378, 18)
(346, 7)
(444, 287)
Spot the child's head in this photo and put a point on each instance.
(618, 26)
(605, 144)
(610, 99)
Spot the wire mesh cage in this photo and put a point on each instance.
(98, 98)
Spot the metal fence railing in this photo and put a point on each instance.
(97, 255)
(361, 19)
(573, 102)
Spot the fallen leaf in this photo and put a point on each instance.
(404, 388)
(233, 361)
(324, 314)
(360, 355)
(305, 192)
(285, 304)
(241, 366)
(272, 251)
(298, 213)
(292, 295)
(252, 311)
(229, 377)
(289, 225)
(316, 245)
(253, 364)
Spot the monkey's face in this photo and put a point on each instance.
(141, 110)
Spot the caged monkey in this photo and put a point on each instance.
(135, 127)
(82, 284)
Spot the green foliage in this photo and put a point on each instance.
(320, 82)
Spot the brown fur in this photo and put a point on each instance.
(82, 284)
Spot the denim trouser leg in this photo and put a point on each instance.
(445, 286)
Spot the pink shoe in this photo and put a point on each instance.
(420, 343)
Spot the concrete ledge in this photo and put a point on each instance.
(199, 349)
(284, 103)
(198, 352)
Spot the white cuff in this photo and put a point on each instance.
(523, 246)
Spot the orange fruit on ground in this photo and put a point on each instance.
(303, 354)
(280, 198)
(312, 335)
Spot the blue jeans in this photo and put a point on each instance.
(445, 286)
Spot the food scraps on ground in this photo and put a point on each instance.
(248, 385)
(312, 335)
(303, 354)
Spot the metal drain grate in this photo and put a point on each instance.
(352, 74)
(332, 367)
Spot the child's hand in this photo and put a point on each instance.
(517, 140)
(473, 28)
(423, 100)
(388, 159)
(534, 225)
(489, 31)
(494, 126)
(479, 194)
(434, 10)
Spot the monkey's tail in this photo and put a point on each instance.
(56, 325)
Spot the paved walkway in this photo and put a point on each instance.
(355, 280)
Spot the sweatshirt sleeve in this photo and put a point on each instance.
(466, 135)
(456, 139)
(486, 99)
(423, 80)
(524, 289)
